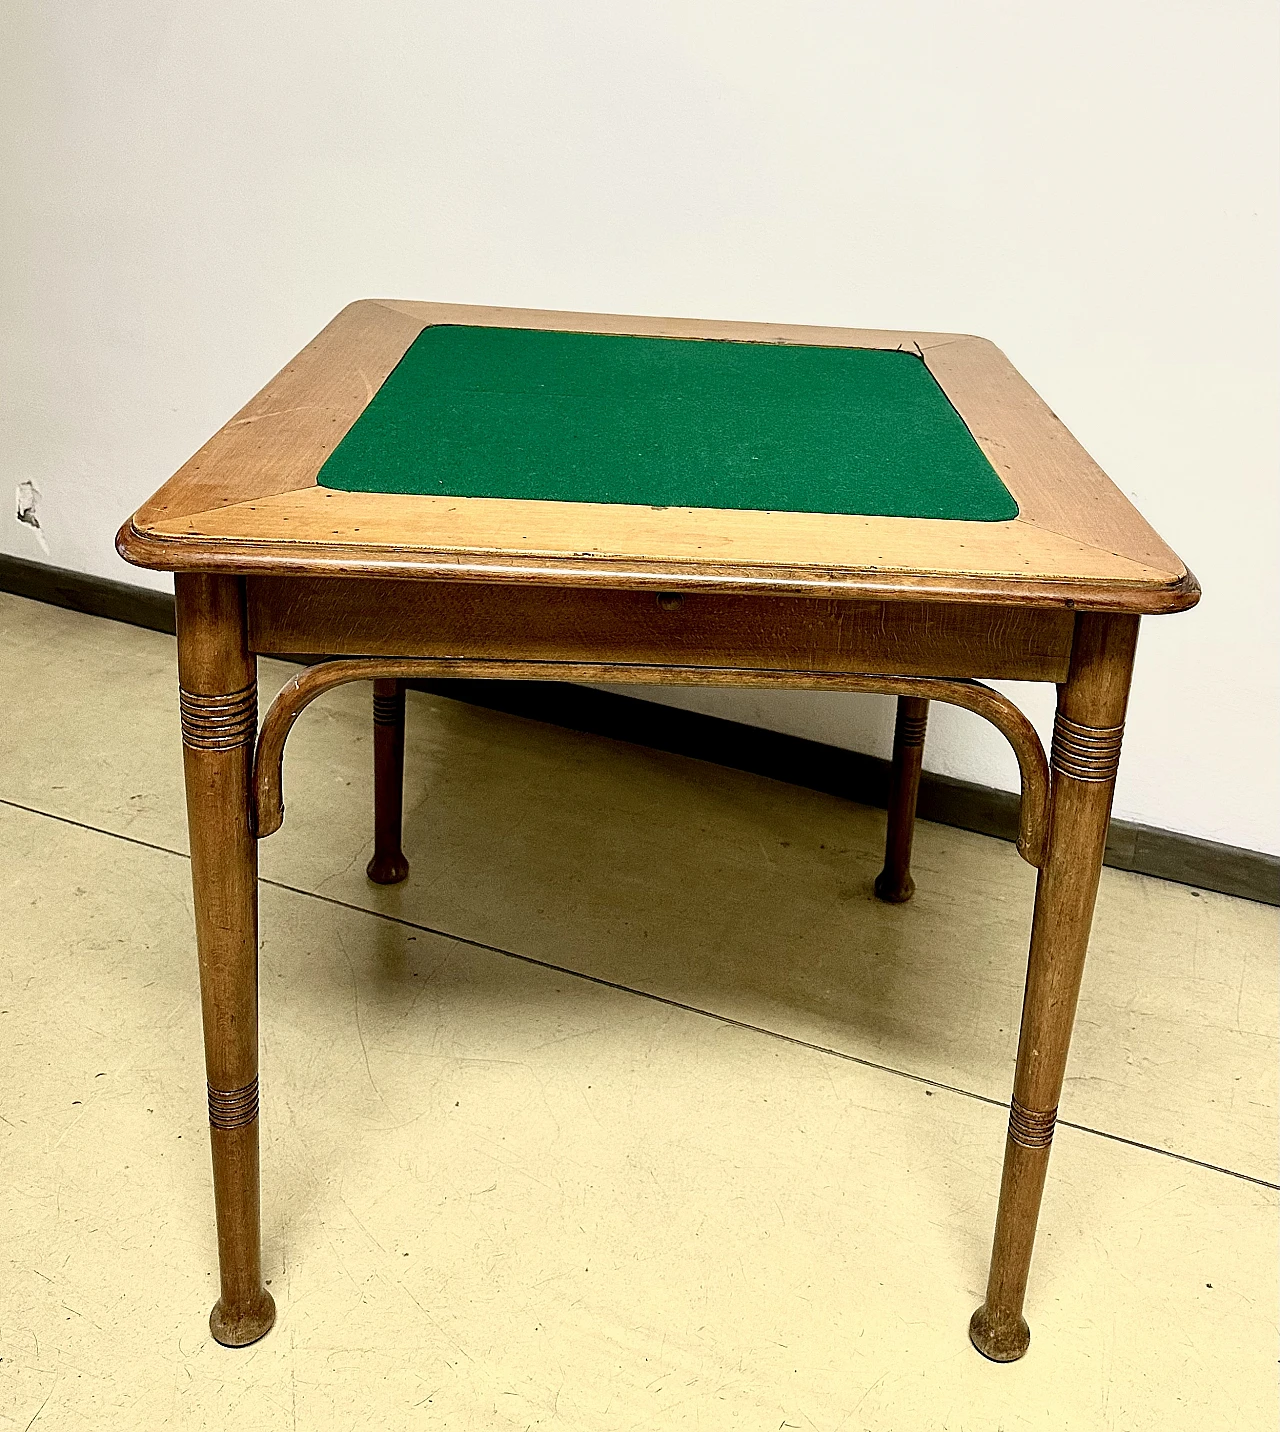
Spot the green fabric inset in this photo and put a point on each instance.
(668, 422)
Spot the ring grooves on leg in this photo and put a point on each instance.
(387, 710)
(1031, 1129)
(219, 723)
(911, 730)
(233, 1108)
(1085, 753)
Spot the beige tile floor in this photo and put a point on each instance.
(631, 1109)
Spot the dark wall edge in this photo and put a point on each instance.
(1147, 850)
(95, 596)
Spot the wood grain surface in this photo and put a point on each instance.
(248, 500)
(369, 617)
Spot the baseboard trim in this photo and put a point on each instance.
(95, 596)
(1167, 854)
(1147, 850)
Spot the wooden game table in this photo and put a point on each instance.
(432, 490)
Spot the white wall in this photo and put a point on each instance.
(190, 191)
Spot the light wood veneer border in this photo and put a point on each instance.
(248, 501)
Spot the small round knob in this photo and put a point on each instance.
(670, 601)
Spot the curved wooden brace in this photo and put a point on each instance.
(971, 695)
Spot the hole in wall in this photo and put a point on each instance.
(28, 511)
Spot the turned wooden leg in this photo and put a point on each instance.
(1085, 754)
(219, 703)
(894, 883)
(388, 864)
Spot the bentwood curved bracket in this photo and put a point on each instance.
(973, 696)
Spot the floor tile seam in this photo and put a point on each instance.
(724, 1019)
(792, 1039)
(93, 829)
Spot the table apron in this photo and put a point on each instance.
(340, 616)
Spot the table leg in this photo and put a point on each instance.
(1086, 752)
(219, 700)
(388, 865)
(894, 883)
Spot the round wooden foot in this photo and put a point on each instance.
(892, 890)
(998, 1336)
(243, 1325)
(387, 869)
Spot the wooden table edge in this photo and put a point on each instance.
(1177, 593)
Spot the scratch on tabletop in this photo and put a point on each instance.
(282, 412)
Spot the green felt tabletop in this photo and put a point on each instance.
(667, 422)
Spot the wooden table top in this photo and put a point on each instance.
(509, 446)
